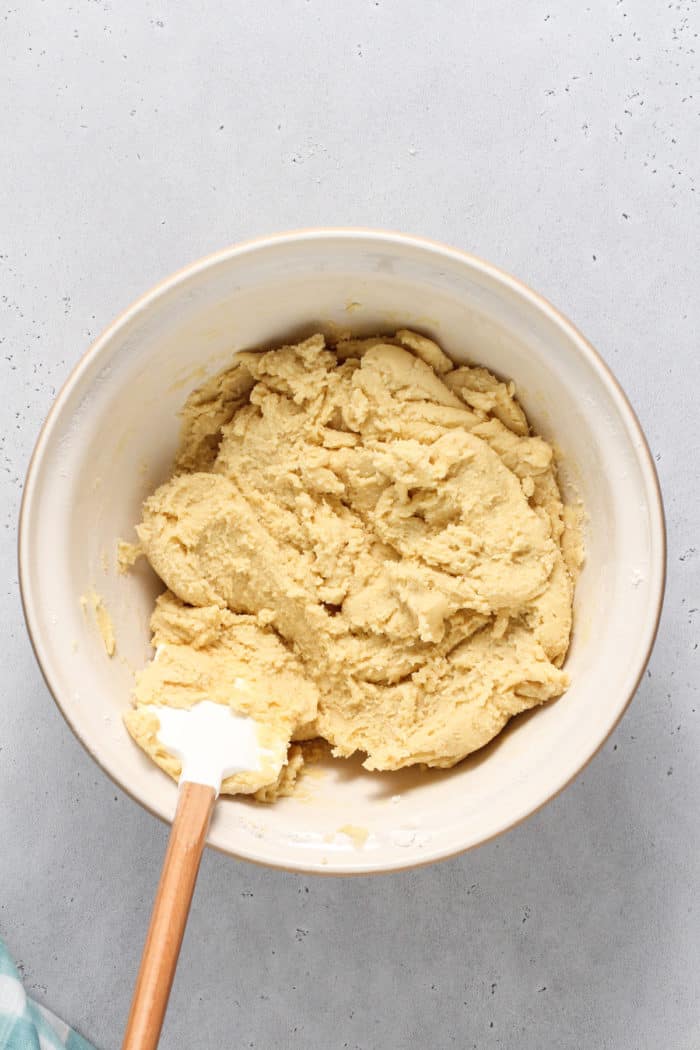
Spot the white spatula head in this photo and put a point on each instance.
(212, 742)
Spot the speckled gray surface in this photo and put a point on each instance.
(556, 139)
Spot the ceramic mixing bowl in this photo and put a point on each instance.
(110, 438)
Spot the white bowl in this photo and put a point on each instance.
(110, 437)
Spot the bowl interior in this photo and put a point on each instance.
(110, 440)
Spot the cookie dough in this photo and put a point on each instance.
(373, 541)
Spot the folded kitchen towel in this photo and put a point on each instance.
(24, 1025)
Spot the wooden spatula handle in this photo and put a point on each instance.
(170, 911)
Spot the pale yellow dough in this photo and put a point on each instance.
(92, 600)
(374, 539)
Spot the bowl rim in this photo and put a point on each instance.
(387, 237)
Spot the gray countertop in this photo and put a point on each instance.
(559, 141)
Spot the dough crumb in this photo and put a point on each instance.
(358, 835)
(92, 600)
(127, 555)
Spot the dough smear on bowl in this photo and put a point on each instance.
(361, 542)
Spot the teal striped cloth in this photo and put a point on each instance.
(24, 1025)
